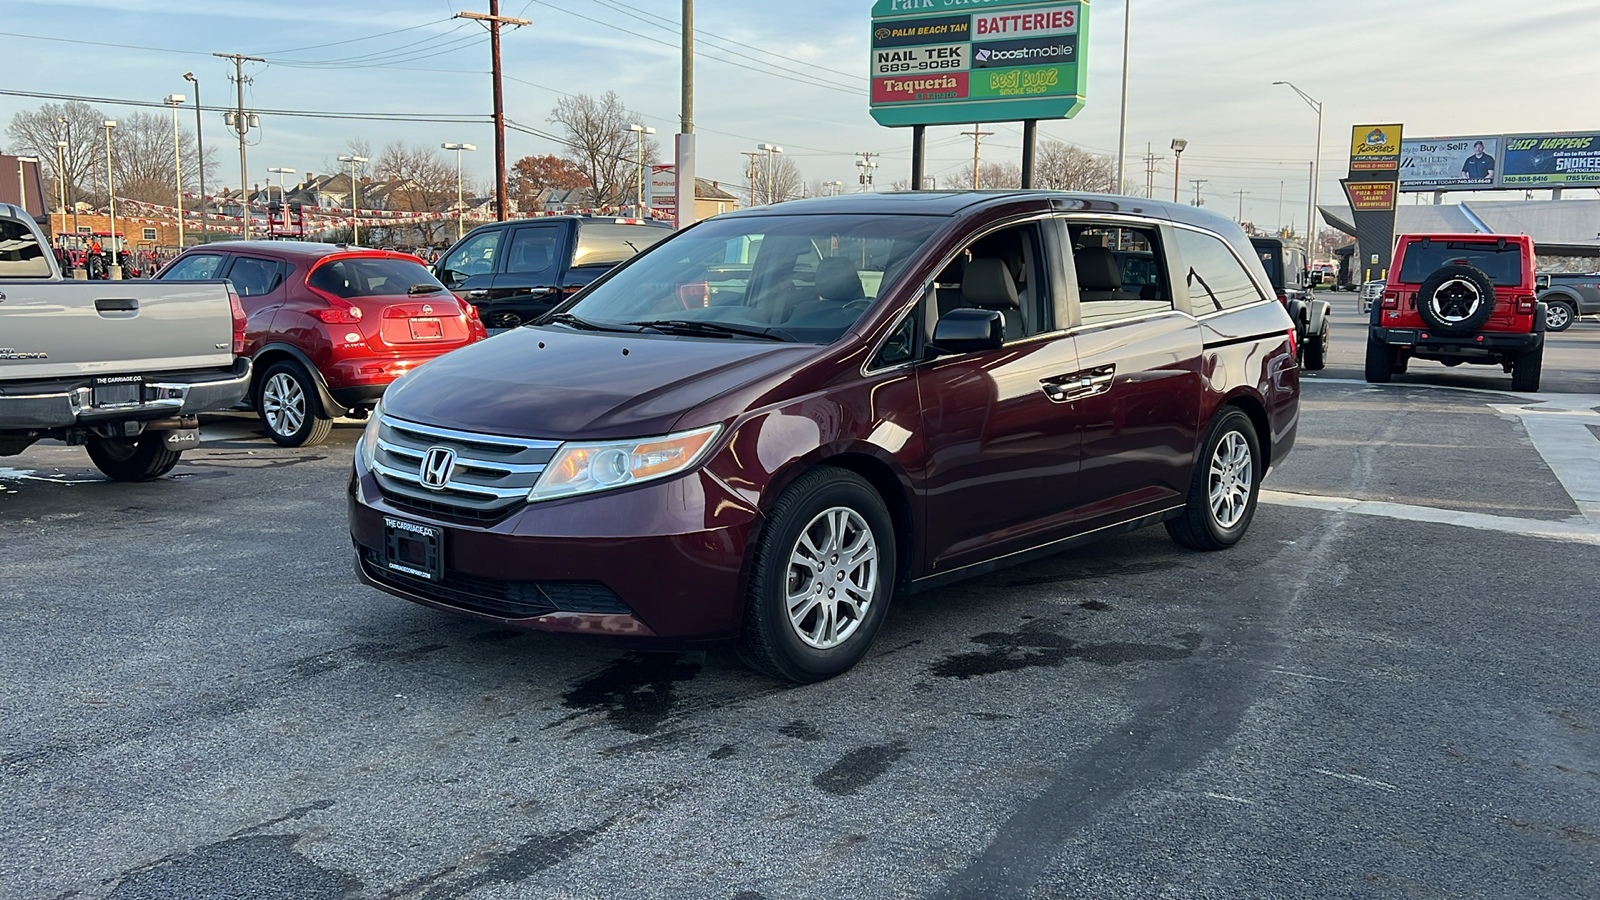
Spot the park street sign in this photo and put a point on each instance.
(956, 62)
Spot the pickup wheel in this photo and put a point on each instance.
(1225, 486)
(1526, 369)
(1558, 315)
(144, 458)
(1380, 361)
(1317, 349)
(287, 402)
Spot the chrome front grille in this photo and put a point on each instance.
(491, 477)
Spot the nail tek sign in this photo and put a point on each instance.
(952, 62)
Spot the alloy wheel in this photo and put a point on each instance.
(1557, 316)
(1232, 479)
(283, 403)
(1456, 301)
(832, 578)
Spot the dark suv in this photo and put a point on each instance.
(516, 271)
(1291, 277)
(1460, 298)
(763, 428)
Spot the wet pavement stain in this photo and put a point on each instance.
(1031, 649)
(534, 855)
(802, 730)
(1094, 606)
(859, 768)
(637, 693)
(723, 752)
(263, 867)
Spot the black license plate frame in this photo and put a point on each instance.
(120, 392)
(413, 549)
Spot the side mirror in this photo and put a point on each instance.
(1541, 282)
(969, 331)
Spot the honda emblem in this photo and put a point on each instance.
(437, 467)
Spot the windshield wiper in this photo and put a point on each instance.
(572, 321)
(712, 329)
(416, 289)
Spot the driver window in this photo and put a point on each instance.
(1001, 271)
(475, 257)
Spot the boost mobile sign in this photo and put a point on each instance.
(952, 62)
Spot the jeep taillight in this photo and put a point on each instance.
(1525, 306)
(1283, 298)
(1391, 301)
(240, 321)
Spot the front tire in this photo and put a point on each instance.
(144, 458)
(1559, 315)
(1380, 361)
(1317, 349)
(287, 402)
(1225, 486)
(821, 578)
(1526, 369)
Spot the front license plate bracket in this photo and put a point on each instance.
(413, 549)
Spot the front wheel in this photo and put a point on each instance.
(1225, 486)
(821, 578)
(1380, 361)
(1559, 315)
(1526, 369)
(144, 458)
(286, 401)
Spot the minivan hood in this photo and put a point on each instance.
(556, 384)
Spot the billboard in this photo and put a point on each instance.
(1450, 164)
(995, 61)
(1552, 160)
(1375, 148)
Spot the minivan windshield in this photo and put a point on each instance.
(799, 278)
(1502, 265)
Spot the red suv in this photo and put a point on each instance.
(330, 327)
(1460, 298)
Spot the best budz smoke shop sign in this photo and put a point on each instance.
(953, 62)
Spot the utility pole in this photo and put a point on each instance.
(1198, 182)
(750, 173)
(241, 123)
(1241, 206)
(1122, 132)
(493, 21)
(977, 143)
(683, 149)
(866, 165)
(1150, 160)
(175, 101)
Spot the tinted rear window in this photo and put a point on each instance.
(1504, 267)
(371, 277)
(20, 253)
(611, 244)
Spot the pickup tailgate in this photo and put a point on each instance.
(63, 329)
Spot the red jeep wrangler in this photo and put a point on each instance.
(1460, 298)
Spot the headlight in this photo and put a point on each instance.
(599, 466)
(368, 445)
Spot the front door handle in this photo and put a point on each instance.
(1080, 385)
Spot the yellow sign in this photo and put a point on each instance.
(1375, 148)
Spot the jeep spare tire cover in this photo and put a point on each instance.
(1456, 299)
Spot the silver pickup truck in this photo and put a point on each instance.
(122, 368)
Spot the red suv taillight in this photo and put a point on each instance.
(339, 311)
(240, 321)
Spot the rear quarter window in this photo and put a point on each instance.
(1216, 278)
(610, 245)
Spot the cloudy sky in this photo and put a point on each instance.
(794, 74)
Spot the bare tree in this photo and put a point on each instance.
(418, 180)
(1064, 167)
(991, 176)
(777, 179)
(141, 144)
(603, 148)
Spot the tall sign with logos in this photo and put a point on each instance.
(1373, 187)
(965, 62)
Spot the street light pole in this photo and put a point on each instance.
(641, 131)
(200, 145)
(461, 225)
(1122, 134)
(111, 196)
(175, 101)
(772, 174)
(74, 205)
(1316, 172)
(355, 195)
(1178, 146)
(61, 181)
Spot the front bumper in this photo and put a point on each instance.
(662, 563)
(1484, 344)
(63, 404)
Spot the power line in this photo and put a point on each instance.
(174, 50)
(358, 40)
(296, 113)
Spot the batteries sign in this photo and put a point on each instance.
(996, 61)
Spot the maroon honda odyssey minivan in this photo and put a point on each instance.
(765, 427)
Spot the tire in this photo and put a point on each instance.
(1317, 350)
(144, 458)
(1225, 486)
(1559, 315)
(1456, 299)
(1526, 369)
(824, 506)
(1380, 361)
(287, 402)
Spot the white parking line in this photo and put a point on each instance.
(1555, 531)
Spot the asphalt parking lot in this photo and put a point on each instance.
(1390, 689)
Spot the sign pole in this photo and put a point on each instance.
(919, 146)
(1030, 137)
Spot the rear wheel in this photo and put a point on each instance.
(1526, 369)
(286, 401)
(1317, 349)
(144, 458)
(1225, 486)
(1380, 361)
(1559, 315)
(821, 578)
